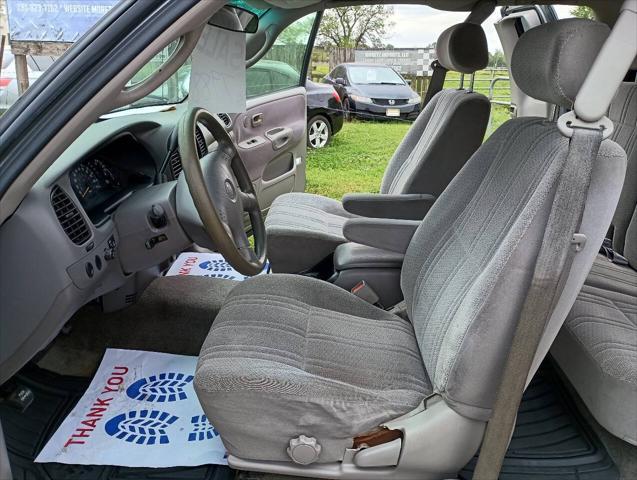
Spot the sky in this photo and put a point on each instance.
(419, 26)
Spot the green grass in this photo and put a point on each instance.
(502, 88)
(356, 158)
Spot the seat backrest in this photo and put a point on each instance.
(469, 265)
(450, 128)
(623, 113)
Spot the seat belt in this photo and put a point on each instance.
(552, 266)
(437, 81)
(612, 255)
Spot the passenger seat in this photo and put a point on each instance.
(303, 229)
(597, 346)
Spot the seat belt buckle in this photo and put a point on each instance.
(614, 257)
(365, 292)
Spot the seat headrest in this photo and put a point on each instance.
(463, 48)
(550, 62)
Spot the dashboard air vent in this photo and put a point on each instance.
(202, 147)
(69, 216)
(174, 164)
(225, 118)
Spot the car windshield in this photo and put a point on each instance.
(176, 88)
(372, 75)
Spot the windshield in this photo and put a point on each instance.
(372, 75)
(176, 88)
(173, 90)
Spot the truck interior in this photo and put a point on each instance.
(399, 334)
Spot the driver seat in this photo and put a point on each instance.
(294, 368)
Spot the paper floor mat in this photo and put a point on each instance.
(140, 410)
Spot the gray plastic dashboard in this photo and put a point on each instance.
(44, 276)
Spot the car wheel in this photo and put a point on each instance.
(319, 132)
(347, 113)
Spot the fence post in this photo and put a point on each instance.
(21, 72)
(2, 37)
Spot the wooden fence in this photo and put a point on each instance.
(293, 55)
(340, 55)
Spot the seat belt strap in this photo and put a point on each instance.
(552, 266)
(437, 81)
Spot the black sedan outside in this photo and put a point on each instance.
(324, 114)
(371, 91)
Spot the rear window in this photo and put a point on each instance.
(374, 75)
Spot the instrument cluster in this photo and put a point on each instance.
(103, 180)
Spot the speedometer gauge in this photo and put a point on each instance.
(84, 181)
(104, 174)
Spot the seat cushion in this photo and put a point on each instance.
(302, 230)
(290, 355)
(597, 347)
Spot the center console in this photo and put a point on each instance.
(379, 269)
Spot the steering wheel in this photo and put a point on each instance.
(221, 191)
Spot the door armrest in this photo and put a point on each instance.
(388, 234)
(409, 206)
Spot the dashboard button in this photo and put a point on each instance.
(90, 270)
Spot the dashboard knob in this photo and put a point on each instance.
(157, 216)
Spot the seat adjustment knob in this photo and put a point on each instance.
(304, 450)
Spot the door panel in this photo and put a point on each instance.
(271, 139)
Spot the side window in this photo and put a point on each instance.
(281, 67)
(258, 80)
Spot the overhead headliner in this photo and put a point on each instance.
(463, 5)
(606, 9)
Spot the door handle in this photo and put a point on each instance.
(257, 119)
(279, 137)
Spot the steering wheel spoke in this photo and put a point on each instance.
(249, 201)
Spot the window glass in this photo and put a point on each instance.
(364, 75)
(40, 32)
(173, 90)
(569, 11)
(257, 79)
(284, 60)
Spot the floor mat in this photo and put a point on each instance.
(140, 410)
(212, 265)
(552, 441)
(54, 396)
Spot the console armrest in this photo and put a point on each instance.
(350, 255)
(384, 233)
(409, 206)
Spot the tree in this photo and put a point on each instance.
(583, 12)
(496, 59)
(356, 27)
(296, 33)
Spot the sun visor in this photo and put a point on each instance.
(218, 72)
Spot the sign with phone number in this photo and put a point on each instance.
(54, 20)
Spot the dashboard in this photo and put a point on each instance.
(105, 178)
(93, 207)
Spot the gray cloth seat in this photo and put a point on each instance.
(289, 355)
(289, 330)
(597, 346)
(303, 229)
